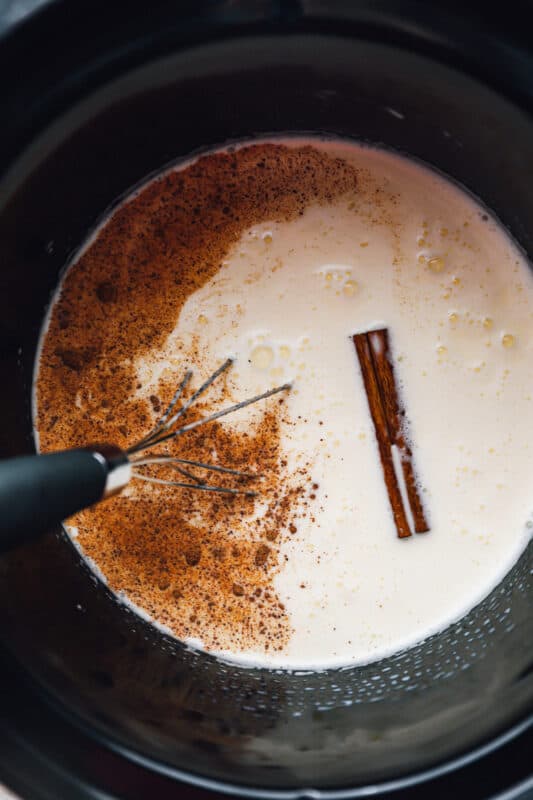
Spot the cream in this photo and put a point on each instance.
(418, 255)
(410, 251)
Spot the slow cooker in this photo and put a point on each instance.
(95, 97)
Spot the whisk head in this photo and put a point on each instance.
(168, 427)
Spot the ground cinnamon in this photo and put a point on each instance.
(192, 561)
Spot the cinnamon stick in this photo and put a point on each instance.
(387, 413)
(395, 415)
(379, 419)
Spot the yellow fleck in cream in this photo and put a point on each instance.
(262, 357)
(453, 317)
(508, 340)
(436, 264)
(350, 288)
(284, 351)
(487, 323)
(202, 319)
(441, 350)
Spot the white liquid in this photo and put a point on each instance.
(286, 302)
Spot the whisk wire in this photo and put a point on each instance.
(171, 459)
(162, 432)
(203, 486)
(186, 474)
(212, 378)
(219, 414)
(160, 424)
(155, 436)
(176, 397)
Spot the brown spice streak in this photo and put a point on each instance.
(201, 564)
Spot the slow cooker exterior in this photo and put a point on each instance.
(90, 112)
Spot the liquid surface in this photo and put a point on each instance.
(276, 254)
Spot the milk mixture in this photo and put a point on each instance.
(403, 249)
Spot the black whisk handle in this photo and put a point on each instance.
(38, 492)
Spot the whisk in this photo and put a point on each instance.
(37, 492)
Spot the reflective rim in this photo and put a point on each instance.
(310, 793)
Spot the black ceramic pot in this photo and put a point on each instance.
(93, 103)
